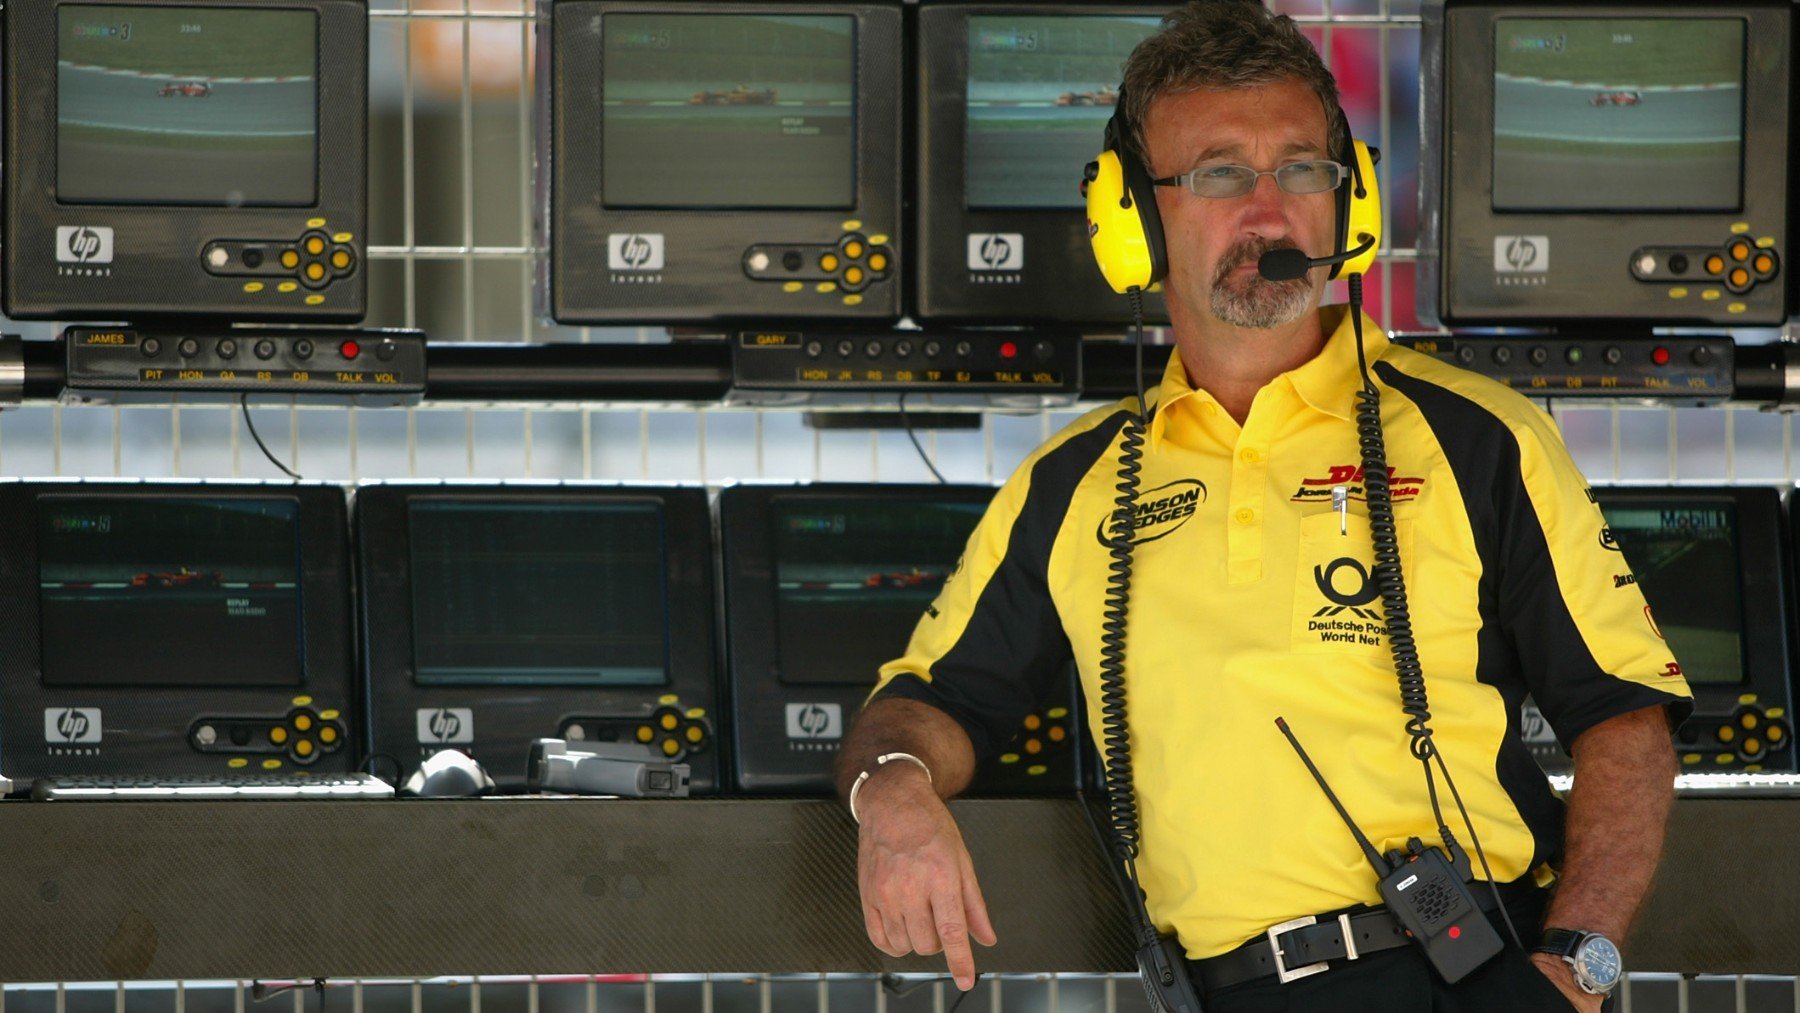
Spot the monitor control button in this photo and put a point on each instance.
(303, 349)
(290, 259)
(227, 349)
(151, 347)
(792, 260)
(217, 257)
(188, 348)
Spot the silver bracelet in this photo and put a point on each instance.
(879, 760)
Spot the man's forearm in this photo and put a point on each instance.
(1618, 811)
(908, 726)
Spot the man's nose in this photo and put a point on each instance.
(1264, 207)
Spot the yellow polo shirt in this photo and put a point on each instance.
(1250, 600)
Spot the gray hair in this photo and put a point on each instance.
(1225, 44)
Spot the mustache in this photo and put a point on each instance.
(1249, 252)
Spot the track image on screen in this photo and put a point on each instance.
(1685, 560)
(728, 111)
(852, 578)
(1618, 114)
(524, 594)
(186, 105)
(1041, 89)
(169, 592)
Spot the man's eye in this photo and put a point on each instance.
(1218, 171)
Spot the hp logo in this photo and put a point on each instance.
(84, 244)
(71, 724)
(634, 251)
(1521, 254)
(815, 721)
(1533, 727)
(446, 725)
(996, 251)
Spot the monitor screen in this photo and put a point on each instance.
(1041, 88)
(169, 591)
(186, 105)
(1618, 114)
(728, 111)
(535, 594)
(852, 578)
(1685, 559)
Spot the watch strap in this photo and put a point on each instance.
(1560, 942)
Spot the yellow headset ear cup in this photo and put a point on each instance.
(1114, 229)
(1364, 219)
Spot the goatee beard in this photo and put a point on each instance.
(1255, 302)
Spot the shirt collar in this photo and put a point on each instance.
(1327, 382)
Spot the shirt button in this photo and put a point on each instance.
(1208, 407)
(1249, 455)
(1246, 515)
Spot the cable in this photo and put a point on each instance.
(891, 984)
(1391, 582)
(244, 403)
(907, 423)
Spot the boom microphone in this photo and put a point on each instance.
(1290, 263)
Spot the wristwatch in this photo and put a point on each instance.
(1594, 957)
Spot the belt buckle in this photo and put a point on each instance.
(1282, 973)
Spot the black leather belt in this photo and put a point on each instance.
(1306, 942)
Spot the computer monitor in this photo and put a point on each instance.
(493, 615)
(1013, 102)
(175, 629)
(186, 158)
(1712, 565)
(721, 161)
(824, 584)
(1612, 161)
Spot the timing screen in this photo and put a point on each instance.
(520, 594)
(1040, 92)
(728, 111)
(1686, 563)
(852, 578)
(169, 592)
(186, 105)
(1607, 114)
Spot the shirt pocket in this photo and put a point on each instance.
(1337, 601)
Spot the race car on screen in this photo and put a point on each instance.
(742, 95)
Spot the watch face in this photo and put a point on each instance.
(1599, 960)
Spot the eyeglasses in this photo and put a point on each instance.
(1315, 176)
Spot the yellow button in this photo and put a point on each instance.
(1710, 295)
(853, 249)
(1033, 722)
(271, 764)
(1727, 733)
(290, 259)
(1749, 720)
(1739, 251)
(303, 722)
(1249, 455)
(278, 735)
(1764, 263)
(1715, 264)
(1246, 515)
(253, 287)
(826, 286)
(828, 262)
(1033, 746)
(1057, 713)
(1772, 733)
(1678, 293)
(695, 733)
(852, 224)
(1009, 757)
(878, 262)
(237, 762)
(1725, 759)
(1736, 307)
(340, 259)
(670, 747)
(1739, 276)
(328, 715)
(669, 721)
(695, 712)
(327, 734)
(341, 237)
(1057, 734)
(287, 286)
(315, 272)
(319, 223)
(316, 246)
(1691, 758)
(645, 733)
(792, 286)
(304, 747)
(853, 299)
(1752, 746)
(853, 276)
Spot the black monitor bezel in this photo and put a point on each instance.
(158, 275)
(704, 279)
(1060, 281)
(155, 738)
(1589, 251)
(1763, 584)
(391, 697)
(764, 763)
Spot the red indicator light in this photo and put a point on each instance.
(1008, 350)
(351, 350)
(1456, 932)
(1659, 355)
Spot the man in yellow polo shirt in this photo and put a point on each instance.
(1252, 599)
